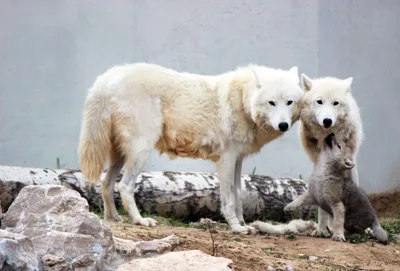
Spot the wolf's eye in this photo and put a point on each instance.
(335, 103)
(271, 103)
(339, 147)
(289, 102)
(319, 101)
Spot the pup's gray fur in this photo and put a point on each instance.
(331, 188)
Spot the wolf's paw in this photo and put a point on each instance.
(338, 238)
(320, 233)
(146, 222)
(237, 228)
(290, 207)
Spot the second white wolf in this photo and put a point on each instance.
(329, 107)
(132, 109)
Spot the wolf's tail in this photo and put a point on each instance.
(95, 139)
(379, 233)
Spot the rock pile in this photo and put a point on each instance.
(49, 227)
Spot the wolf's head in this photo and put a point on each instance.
(275, 96)
(326, 99)
(334, 155)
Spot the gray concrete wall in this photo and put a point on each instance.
(51, 52)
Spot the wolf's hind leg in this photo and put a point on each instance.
(107, 190)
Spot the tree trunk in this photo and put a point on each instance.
(182, 195)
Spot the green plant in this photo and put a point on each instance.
(393, 229)
(254, 170)
(58, 162)
(291, 237)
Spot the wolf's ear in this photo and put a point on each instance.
(347, 83)
(258, 85)
(306, 82)
(348, 163)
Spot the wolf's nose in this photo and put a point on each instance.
(283, 126)
(327, 122)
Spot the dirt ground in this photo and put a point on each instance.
(257, 252)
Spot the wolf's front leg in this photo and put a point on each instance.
(338, 222)
(226, 176)
(322, 230)
(302, 200)
(238, 188)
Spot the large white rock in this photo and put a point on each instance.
(58, 221)
(191, 260)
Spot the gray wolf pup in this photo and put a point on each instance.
(331, 188)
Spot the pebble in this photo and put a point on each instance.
(312, 258)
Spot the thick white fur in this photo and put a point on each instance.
(340, 107)
(134, 108)
(296, 226)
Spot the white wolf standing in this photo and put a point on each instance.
(135, 108)
(328, 107)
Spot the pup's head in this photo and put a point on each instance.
(275, 98)
(325, 99)
(335, 155)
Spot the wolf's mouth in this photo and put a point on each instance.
(330, 140)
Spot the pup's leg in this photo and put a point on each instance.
(322, 230)
(338, 222)
(238, 188)
(302, 200)
(226, 176)
(107, 190)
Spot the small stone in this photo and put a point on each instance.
(54, 263)
(84, 262)
(270, 268)
(289, 268)
(157, 246)
(312, 258)
(125, 248)
(150, 255)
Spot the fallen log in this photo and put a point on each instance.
(182, 195)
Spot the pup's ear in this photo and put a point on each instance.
(347, 83)
(348, 163)
(306, 82)
(258, 85)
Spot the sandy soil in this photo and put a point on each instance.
(256, 252)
